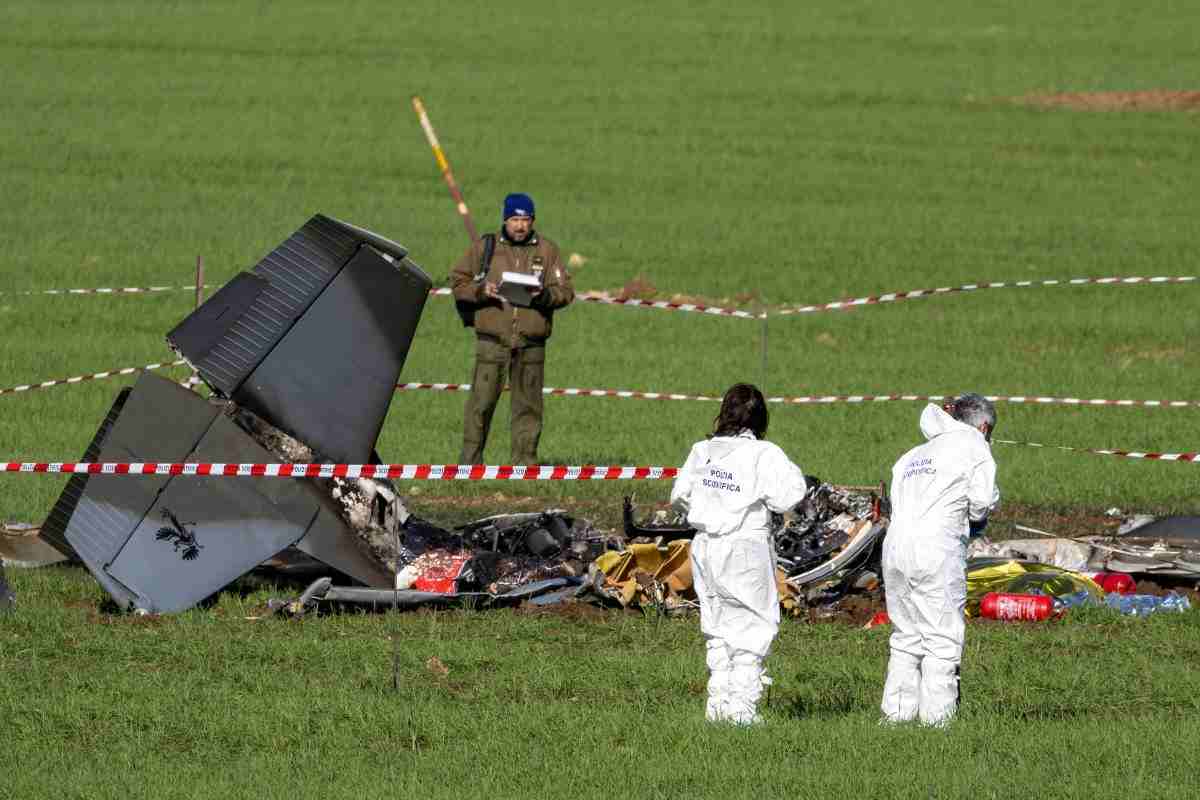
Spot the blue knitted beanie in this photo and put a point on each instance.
(518, 205)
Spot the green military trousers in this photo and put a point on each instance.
(526, 370)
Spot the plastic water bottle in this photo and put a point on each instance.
(1004, 606)
(1130, 604)
(1175, 602)
(1145, 604)
(1073, 600)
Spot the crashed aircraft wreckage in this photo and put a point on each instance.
(824, 546)
(332, 306)
(337, 306)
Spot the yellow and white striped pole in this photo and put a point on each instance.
(444, 166)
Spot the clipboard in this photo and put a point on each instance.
(519, 288)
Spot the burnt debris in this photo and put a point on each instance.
(538, 557)
(833, 529)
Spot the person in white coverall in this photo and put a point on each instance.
(729, 485)
(941, 491)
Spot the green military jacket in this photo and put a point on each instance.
(514, 326)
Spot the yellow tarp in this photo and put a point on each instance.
(634, 572)
(1023, 577)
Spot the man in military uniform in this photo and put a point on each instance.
(509, 338)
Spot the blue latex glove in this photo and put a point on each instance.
(976, 528)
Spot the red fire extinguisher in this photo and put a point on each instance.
(999, 605)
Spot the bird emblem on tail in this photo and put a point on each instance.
(179, 536)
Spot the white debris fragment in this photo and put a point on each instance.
(1062, 553)
(370, 503)
(407, 576)
(1134, 521)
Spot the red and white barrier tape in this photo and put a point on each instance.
(670, 306)
(816, 399)
(550, 390)
(1193, 457)
(838, 305)
(586, 297)
(1018, 399)
(913, 294)
(106, 290)
(887, 297)
(434, 472)
(436, 292)
(93, 377)
(640, 395)
(443, 292)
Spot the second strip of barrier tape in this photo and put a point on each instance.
(1148, 456)
(95, 376)
(667, 305)
(828, 399)
(641, 395)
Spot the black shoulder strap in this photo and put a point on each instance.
(489, 247)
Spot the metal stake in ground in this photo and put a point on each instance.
(195, 379)
(762, 311)
(7, 598)
(396, 615)
(199, 280)
(444, 166)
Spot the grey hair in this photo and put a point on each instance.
(975, 410)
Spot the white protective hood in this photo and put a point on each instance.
(935, 421)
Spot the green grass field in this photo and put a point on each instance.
(802, 154)
(209, 703)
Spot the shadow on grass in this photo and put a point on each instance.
(827, 704)
(1050, 712)
(830, 704)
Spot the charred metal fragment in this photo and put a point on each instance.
(323, 591)
(659, 526)
(1168, 547)
(496, 554)
(831, 537)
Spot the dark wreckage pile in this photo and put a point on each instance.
(826, 547)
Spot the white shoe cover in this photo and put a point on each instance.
(745, 688)
(939, 691)
(902, 690)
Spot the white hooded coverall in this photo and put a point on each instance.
(936, 488)
(729, 485)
